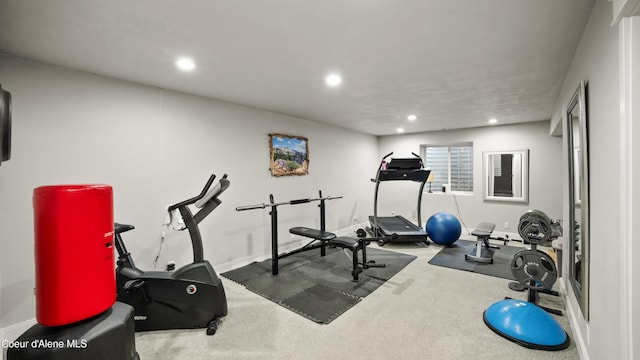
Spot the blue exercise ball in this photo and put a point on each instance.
(443, 228)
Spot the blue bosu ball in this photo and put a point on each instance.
(443, 228)
(526, 324)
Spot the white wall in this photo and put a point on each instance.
(545, 169)
(596, 61)
(157, 147)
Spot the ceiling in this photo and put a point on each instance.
(452, 63)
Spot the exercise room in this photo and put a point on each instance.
(427, 179)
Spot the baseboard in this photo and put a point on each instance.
(578, 337)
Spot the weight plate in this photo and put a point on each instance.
(536, 213)
(535, 227)
(534, 269)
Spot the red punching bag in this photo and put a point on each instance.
(75, 277)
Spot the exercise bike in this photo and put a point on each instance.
(189, 297)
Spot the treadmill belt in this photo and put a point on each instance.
(397, 224)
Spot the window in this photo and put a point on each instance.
(450, 164)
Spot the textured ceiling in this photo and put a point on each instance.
(453, 63)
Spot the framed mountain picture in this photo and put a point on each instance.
(289, 155)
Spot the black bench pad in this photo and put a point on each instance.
(345, 242)
(483, 229)
(312, 233)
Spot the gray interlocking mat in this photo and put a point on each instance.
(453, 257)
(319, 288)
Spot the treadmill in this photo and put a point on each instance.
(399, 169)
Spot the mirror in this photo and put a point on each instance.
(506, 175)
(577, 229)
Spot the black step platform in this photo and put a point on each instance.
(110, 335)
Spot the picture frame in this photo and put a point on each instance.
(506, 176)
(289, 155)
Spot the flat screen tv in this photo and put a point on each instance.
(5, 125)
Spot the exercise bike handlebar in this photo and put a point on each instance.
(290, 202)
(194, 199)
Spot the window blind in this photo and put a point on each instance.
(451, 164)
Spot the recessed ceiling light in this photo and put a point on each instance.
(493, 121)
(333, 80)
(412, 117)
(400, 130)
(185, 64)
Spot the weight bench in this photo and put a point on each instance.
(483, 252)
(344, 242)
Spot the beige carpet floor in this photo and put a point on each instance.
(424, 312)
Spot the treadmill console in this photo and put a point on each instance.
(411, 169)
(405, 164)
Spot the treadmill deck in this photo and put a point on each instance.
(406, 230)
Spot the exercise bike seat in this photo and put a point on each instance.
(120, 228)
(312, 233)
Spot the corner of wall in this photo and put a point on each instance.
(555, 128)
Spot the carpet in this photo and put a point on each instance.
(453, 257)
(319, 288)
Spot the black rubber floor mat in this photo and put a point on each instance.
(453, 257)
(262, 268)
(317, 287)
(278, 288)
(320, 303)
